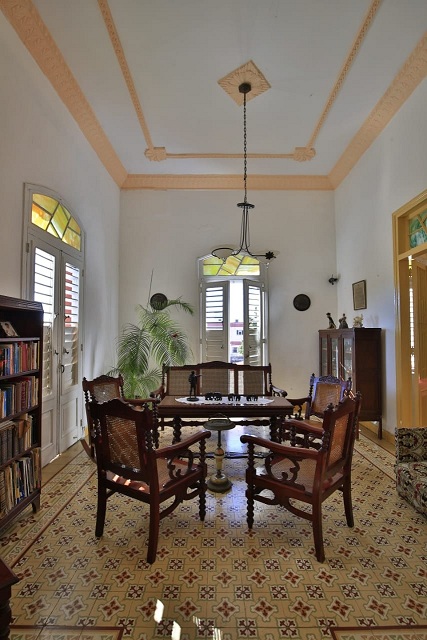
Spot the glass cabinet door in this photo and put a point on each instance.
(334, 357)
(324, 356)
(347, 358)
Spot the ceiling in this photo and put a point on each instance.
(141, 78)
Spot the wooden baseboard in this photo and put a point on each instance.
(373, 427)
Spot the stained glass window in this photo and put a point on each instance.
(51, 216)
(238, 265)
(418, 229)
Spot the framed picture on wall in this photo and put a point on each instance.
(359, 295)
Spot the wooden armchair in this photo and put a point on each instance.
(323, 391)
(102, 389)
(128, 463)
(306, 475)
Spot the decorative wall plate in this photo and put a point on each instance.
(302, 302)
(158, 301)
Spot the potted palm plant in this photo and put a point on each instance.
(144, 347)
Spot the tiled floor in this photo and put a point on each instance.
(216, 580)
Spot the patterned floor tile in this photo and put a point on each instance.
(216, 579)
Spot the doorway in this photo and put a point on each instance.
(53, 272)
(233, 311)
(410, 259)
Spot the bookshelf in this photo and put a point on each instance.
(21, 357)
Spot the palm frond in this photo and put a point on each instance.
(156, 339)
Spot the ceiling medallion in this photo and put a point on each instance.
(247, 73)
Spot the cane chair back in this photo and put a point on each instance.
(217, 377)
(254, 380)
(128, 463)
(101, 389)
(325, 390)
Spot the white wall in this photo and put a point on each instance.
(392, 172)
(164, 232)
(40, 143)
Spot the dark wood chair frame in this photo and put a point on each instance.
(128, 463)
(102, 389)
(315, 407)
(288, 477)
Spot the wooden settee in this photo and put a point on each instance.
(218, 377)
(223, 378)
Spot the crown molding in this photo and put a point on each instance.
(27, 22)
(227, 183)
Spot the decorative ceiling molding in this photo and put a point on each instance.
(372, 11)
(26, 20)
(227, 182)
(117, 45)
(247, 72)
(407, 80)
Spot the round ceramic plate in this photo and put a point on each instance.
(302, 302)
(158, 301)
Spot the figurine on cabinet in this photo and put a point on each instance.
(343, 322)
(358, 321)
(332, 324)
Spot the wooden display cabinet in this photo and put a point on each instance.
(21, 356)
(355, 353)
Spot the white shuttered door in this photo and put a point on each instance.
(55, 281)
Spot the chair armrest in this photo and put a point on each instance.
(301, 426)
(279, 449)
(159, 393)
(174, 450)
(141, 401)
(277, 391)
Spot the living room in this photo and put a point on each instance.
(142, 233)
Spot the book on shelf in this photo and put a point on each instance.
(16, 357)
(18, 480)
(16, 437)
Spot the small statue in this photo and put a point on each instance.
(343, 322)
(331, 322)
(192, 379)
(358, 321)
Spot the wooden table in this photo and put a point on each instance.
(180, 414)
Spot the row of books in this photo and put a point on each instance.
(18, 396)
(19, 480)
(16, 437)
(18, 356)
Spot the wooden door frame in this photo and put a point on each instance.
(406, 413)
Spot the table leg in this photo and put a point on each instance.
(274, 430)
(218, 481)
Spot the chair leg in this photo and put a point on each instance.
(101, 510)
(153, 531)
(250, 506)
(348, 504)
(202, 500)
(318, 531)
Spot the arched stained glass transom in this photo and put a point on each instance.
(52, 216)
(238, 265)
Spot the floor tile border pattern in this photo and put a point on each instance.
(58, 491)
(60, 632)
(417, 632)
